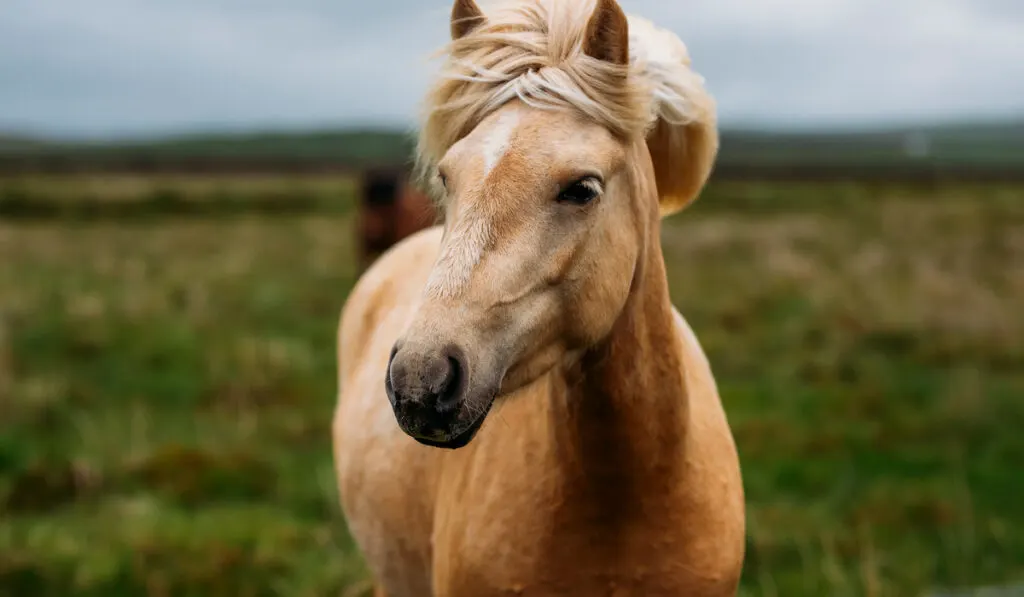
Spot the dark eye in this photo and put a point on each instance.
(442, 179)
(581, 192)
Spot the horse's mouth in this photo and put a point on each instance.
(460, 438)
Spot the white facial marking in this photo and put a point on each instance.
(498, 139)
(470, 235)
(468, 239)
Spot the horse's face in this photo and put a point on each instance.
(541, 238)
(542, 234)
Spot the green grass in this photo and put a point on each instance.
(166, 388)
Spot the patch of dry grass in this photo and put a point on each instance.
(133, 187)
(78, 197)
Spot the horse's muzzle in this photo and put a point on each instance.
(427, 390)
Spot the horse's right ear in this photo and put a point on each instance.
(466, 16)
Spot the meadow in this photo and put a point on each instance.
(167, 381)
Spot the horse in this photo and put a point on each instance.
(521, 409)
(390, 210)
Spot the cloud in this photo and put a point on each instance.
(857, 60)
(125, 66)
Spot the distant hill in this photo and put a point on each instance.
(18, 143)
(350, 148)
(353, 146)
(997, 146)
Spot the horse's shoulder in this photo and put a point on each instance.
(699, 376)
(691, 344)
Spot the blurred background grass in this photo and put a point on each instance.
(167, 375)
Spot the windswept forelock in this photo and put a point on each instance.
(531, 50)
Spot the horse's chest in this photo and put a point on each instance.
(540, 537)
(599, 560)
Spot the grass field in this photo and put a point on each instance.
(166, 387)
(134, 196)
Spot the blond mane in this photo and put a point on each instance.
(533, 50)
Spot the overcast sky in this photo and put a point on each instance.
(115, 67)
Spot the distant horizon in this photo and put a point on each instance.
(226, 129)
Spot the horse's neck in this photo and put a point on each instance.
(625, 403)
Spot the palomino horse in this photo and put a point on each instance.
(557, 136)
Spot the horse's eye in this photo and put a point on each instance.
(442, 179)
(581, 192)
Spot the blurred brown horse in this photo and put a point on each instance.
(390, 209)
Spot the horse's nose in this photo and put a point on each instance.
(425, 388)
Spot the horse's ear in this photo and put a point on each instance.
(466, 16)
(683, 157)
(607, 36)
(683, 141)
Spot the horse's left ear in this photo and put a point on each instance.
(607, 36)
(684, 155)
(683, 142)
(466, 16)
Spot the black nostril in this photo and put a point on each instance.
(389, 385)
(455, 382)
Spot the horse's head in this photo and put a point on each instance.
(547, 214)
